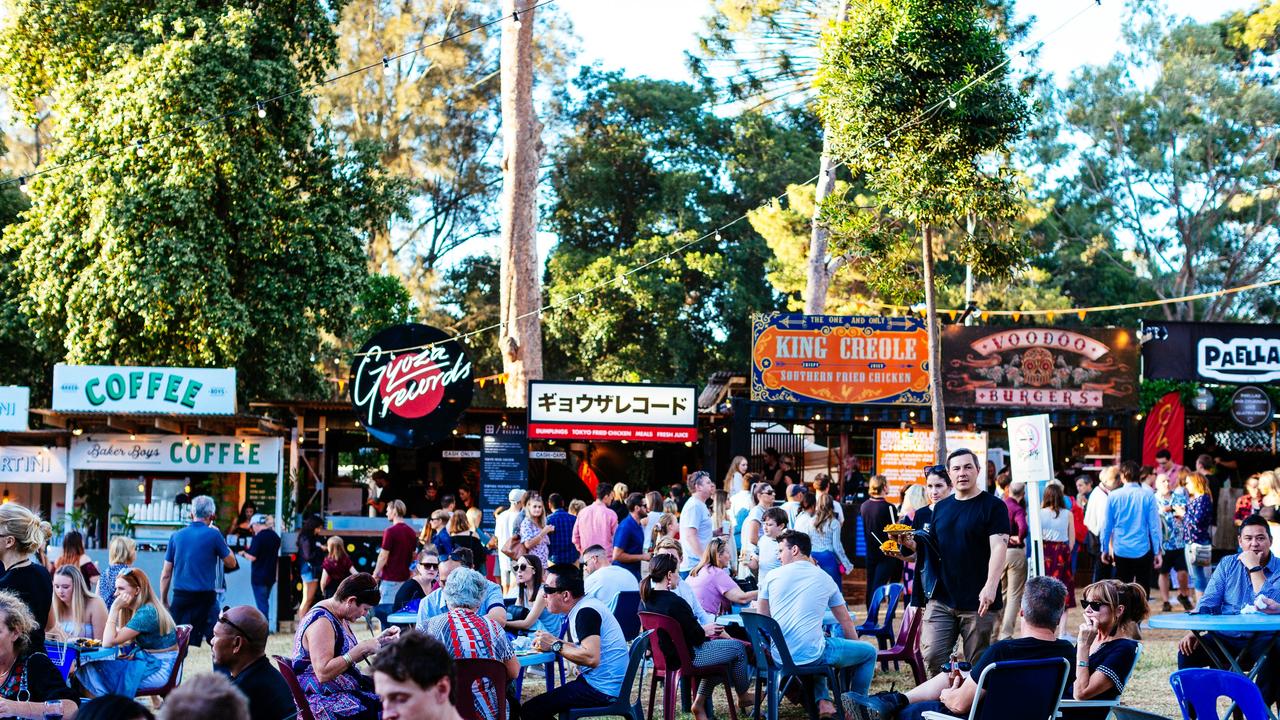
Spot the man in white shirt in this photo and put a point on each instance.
(1095, 516)
(604, 581)
(504, 527)
(792, 505)
(695, 518)
(797, 595)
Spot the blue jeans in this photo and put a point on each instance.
(262, 598)
(841, 654)
(916, 711)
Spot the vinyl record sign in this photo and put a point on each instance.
(408, 395)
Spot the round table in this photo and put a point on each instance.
(403, 618)
(1207, 626)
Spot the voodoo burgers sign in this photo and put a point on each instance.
(1054, 368)
(410, 384)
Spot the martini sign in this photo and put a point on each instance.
(410, 384)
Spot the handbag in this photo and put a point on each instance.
(1200, 554)
(514, 547)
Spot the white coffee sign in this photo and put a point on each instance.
(32, 464)
(15, 404)
(108, 388)
(176, 453)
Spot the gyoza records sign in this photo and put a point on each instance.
(107, 388)
(176, 453)
(410, 384)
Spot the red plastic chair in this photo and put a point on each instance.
(299, 698)
(907, 648)
(471, 671)
(669, 672)
(175, 676)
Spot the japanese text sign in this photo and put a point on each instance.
(839, 359)
(606, 411)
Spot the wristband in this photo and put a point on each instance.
(347, 657)
(1082, 663)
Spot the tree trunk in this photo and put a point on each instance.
(935, 351)
(520, 339)
(820, 272)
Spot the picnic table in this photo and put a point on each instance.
(1204, 626)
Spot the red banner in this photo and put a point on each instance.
(1165, 429)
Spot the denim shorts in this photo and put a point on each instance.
(308, 574)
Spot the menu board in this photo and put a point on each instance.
(504, 466)
(902, 455)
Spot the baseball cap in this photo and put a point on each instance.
(259, 519)
(794, 490)
(515, 496)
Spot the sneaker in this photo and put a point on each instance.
(881, 706)
(1185, 602)
(1167, 607)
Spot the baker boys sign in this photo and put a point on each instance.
(410, 384)
(1079, 368)
(1212, 352)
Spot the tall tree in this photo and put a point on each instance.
(520, 337)
(236, 241)
(1177, 149)
(883, 90)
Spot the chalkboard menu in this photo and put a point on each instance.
(261, 491)
(504, 466)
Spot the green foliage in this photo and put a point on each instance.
(381, 303)
(468, 301)
(644, 164)
(21, 360)
(233, 242)
(883, 88)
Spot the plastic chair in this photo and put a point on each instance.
(63, 655)
(299, 698)
(665, 670)
(907, 648)
(1198, 690)
(776, 675)
(622, 706)
(175, 676)
(883, 632)
(471, 671)
(1120, 712)
(626, 610)
(1071, 704)
(1023, 689)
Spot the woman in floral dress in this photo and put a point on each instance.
(325, 653)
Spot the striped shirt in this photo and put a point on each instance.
(468, 635)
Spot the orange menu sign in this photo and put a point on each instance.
(839, 359)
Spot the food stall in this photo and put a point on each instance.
(143, 441)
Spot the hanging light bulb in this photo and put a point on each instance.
(951, 103)
(262, 110)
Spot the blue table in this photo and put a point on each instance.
(535, 658)
(1205, 628)
(403, 618)
(530, 658)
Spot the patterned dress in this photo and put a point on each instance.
(469, 635)
(342, 697)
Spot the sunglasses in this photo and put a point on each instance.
(223, 619)
(1094, 605)
(767, 492)
(521, 567)
(430, 566)
(549, 589)
(936, 470)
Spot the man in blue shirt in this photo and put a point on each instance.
(628, 539)
(561, 549)
(263, 552)
(190, 565)
(1131, 533)
(1251, 578)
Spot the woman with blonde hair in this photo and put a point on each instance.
(122, 553)
(722, 523)
(1195, 525)
(32, 685)
(711, 582)
(913, 498)
(76, 612)
(336, 566)
(1107, 644)
(139, 617)
(818, 520)
(1269, 487)
(666, 527)
(46, 527)
(20, 537)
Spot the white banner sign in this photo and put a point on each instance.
(15, 404)
(574, 403)
(106, 388)
(175, 453)
(31, 464)
(1030, 456)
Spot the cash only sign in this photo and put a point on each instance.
(410, 385)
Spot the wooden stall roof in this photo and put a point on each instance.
(178, 424)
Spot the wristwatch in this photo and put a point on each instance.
(1253, 570)
(557, 646)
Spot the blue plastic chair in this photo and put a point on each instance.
(1023, 689)
(1198, 690)
(889, 595)
(627, 611)
(765, 633)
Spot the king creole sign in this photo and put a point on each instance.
(410, 384)
(839, 359)
(1081, 368)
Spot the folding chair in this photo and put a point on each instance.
(1023, 689)
(1069, 704)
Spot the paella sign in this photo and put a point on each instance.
(839, 359)
(1081, 368)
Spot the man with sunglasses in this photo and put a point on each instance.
(594, 643)
(239, 645)
(605, 581)
(492, 605)
(964, 547)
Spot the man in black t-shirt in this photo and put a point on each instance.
(263, 552)
(239, 645)
(1043, 603)
(963, 545)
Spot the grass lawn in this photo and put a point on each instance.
(1149, 689)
